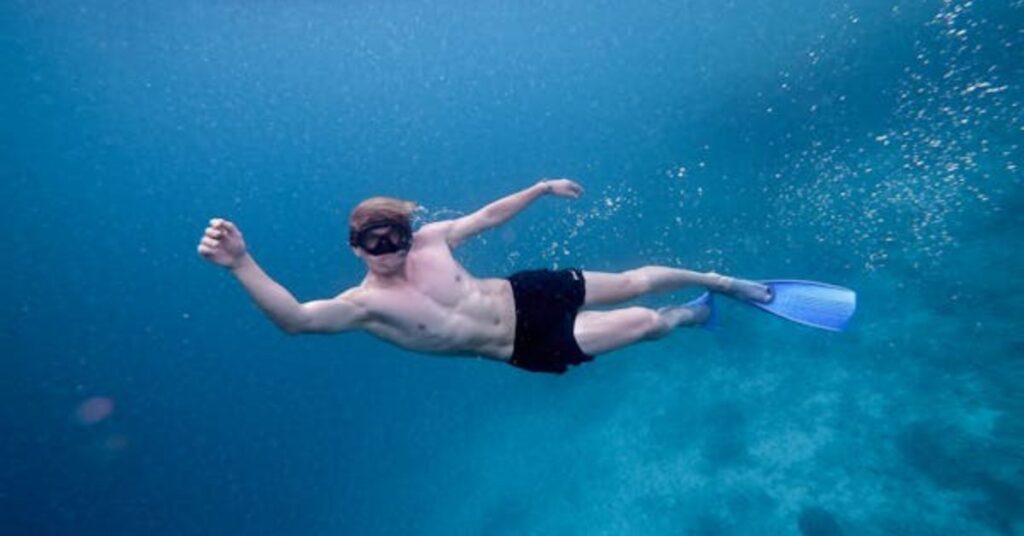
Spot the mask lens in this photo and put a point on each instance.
(371, 240)
(382, 238)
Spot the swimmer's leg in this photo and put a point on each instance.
(599, 332)
(604, 288)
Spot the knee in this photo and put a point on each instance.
(654, 326)
(641, 280)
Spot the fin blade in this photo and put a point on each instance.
(811, 303)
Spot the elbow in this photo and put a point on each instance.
(291, 329)
(295, 324)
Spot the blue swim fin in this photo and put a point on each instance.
(811, 303)
(707, 299)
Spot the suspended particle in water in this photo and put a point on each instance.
(94, 410)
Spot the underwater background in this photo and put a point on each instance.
(876, 145)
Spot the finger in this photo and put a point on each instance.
(209, 242)
(225, 227)
(214, 233)
(215, 222)
(204, 251)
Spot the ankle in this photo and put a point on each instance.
(719, 282)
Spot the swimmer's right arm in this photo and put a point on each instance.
(222, 244)
(318, 316)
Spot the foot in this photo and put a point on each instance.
(685, 315)
(744, 289)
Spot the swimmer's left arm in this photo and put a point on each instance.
(504, 209)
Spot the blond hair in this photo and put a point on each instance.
(381, 208)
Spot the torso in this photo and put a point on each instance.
(439, 307)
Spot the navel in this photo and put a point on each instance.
(458, 278)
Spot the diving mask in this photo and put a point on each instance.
(380, 237)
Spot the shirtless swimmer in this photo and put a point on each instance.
(417, 296)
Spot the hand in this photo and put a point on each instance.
(562, 188)
(222, 244)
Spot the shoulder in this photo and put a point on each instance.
(437, 231)
(435, 228)
(353, 293)
(361, 296)
(361, 301)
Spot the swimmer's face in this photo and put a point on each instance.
(386, 264)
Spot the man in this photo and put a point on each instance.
(416, 295)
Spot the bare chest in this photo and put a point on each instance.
(442, 308)
(435, 291)
(438, 278)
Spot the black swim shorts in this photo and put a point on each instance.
(546, 304)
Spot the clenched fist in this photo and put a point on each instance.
(222, 244)
(562, 188)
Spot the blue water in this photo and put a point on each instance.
(875, 145)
